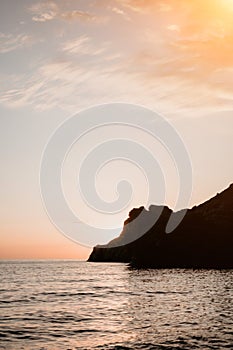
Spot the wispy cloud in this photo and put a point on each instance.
(11, 42)
(79, 15)
(77, 45)
(177, 58)
(44, 11)
(120, 12)
(82, 46)
(70, 86)
(145, 6)
(48, 10)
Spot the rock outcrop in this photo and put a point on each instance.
(204, 239)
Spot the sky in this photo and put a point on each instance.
(60, 57)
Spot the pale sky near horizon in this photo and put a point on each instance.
(59, 57)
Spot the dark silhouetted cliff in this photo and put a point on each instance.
(204, 239)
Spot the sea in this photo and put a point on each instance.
(66, 304)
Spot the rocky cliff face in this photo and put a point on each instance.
(204, 239)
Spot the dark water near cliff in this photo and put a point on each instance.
(79, 305)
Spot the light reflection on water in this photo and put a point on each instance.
(79, 305)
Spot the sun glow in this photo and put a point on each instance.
(228, 4)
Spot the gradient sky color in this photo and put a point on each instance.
(58, 57)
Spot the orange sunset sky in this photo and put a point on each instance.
(59, 57)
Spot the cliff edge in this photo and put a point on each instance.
(204, 239)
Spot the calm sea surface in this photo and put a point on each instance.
(79, 305)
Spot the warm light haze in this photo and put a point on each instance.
(59, 57)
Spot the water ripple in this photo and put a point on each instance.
(77, 305)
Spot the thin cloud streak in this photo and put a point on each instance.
(82, 46)
(48, 11)
(11, 42)
(177, 58)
